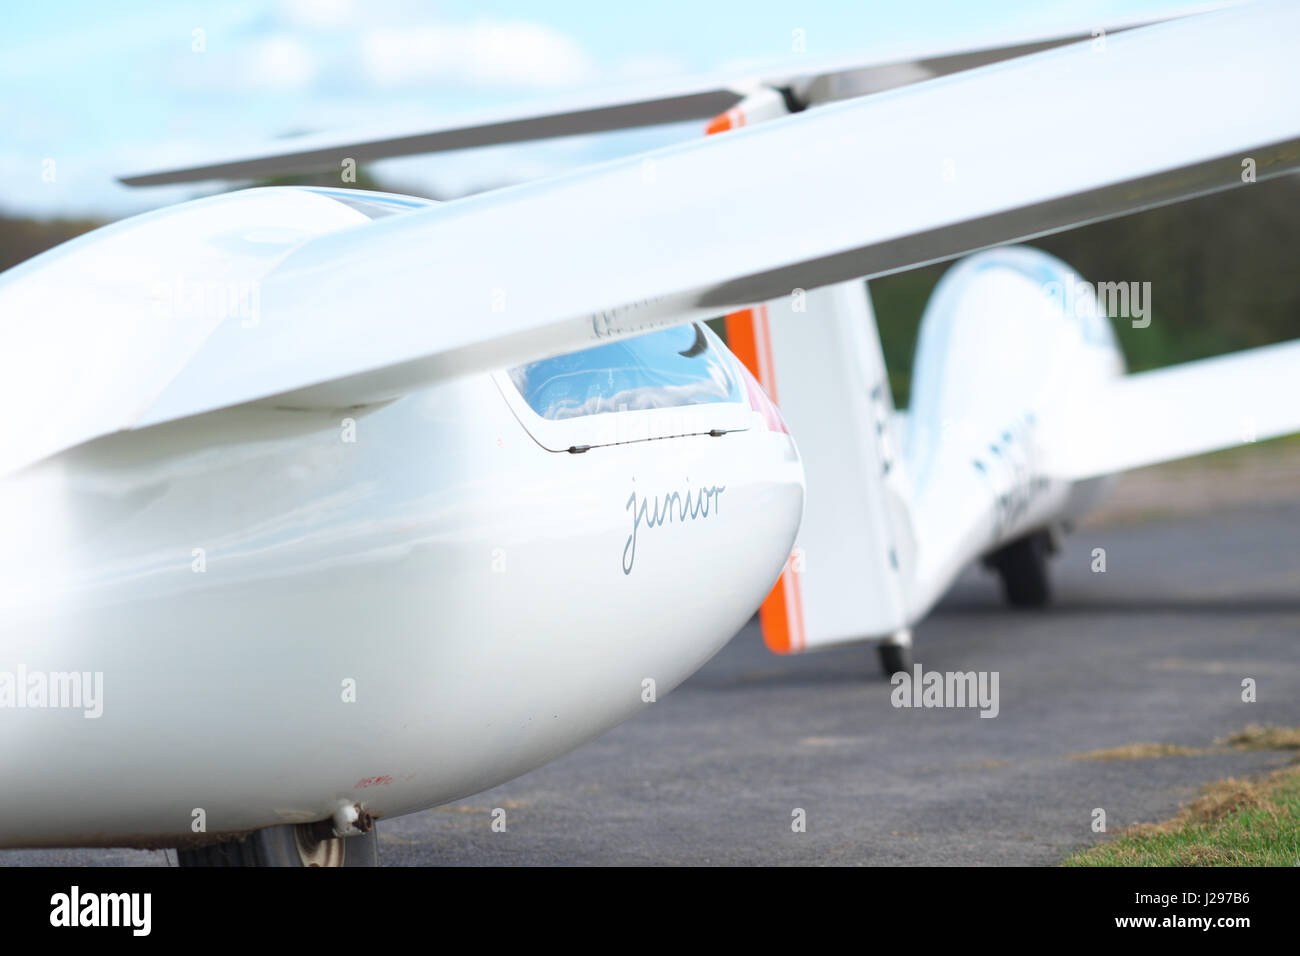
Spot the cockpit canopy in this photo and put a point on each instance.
(684, 365)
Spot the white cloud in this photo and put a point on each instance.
(280, 63)
(317, 14)
(487, 53)
(651, 67)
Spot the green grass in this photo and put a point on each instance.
(1233, 823)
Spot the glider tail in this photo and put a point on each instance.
(818, 355)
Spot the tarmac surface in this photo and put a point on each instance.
(1153, 650)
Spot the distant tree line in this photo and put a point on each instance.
(1224, 273)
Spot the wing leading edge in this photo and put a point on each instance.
(853, 189)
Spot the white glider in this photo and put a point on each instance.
(326, 506)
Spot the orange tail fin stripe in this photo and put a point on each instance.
(781, 614)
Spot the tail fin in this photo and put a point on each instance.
(818, 355)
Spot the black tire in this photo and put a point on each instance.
(894, 658)
(287, 845)
(1022, 566)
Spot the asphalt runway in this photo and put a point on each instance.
(1153, 650)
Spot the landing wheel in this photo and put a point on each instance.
(1022, 566)
(895, 658)
(287, 845)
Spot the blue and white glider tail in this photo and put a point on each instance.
(1020, 412)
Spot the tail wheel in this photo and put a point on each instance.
(895, 658)
(1022, 566)
(288, 845)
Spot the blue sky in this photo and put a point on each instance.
(102, 90)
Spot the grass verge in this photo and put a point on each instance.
(1232, 823)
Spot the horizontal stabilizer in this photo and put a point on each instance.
(1178, 412)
